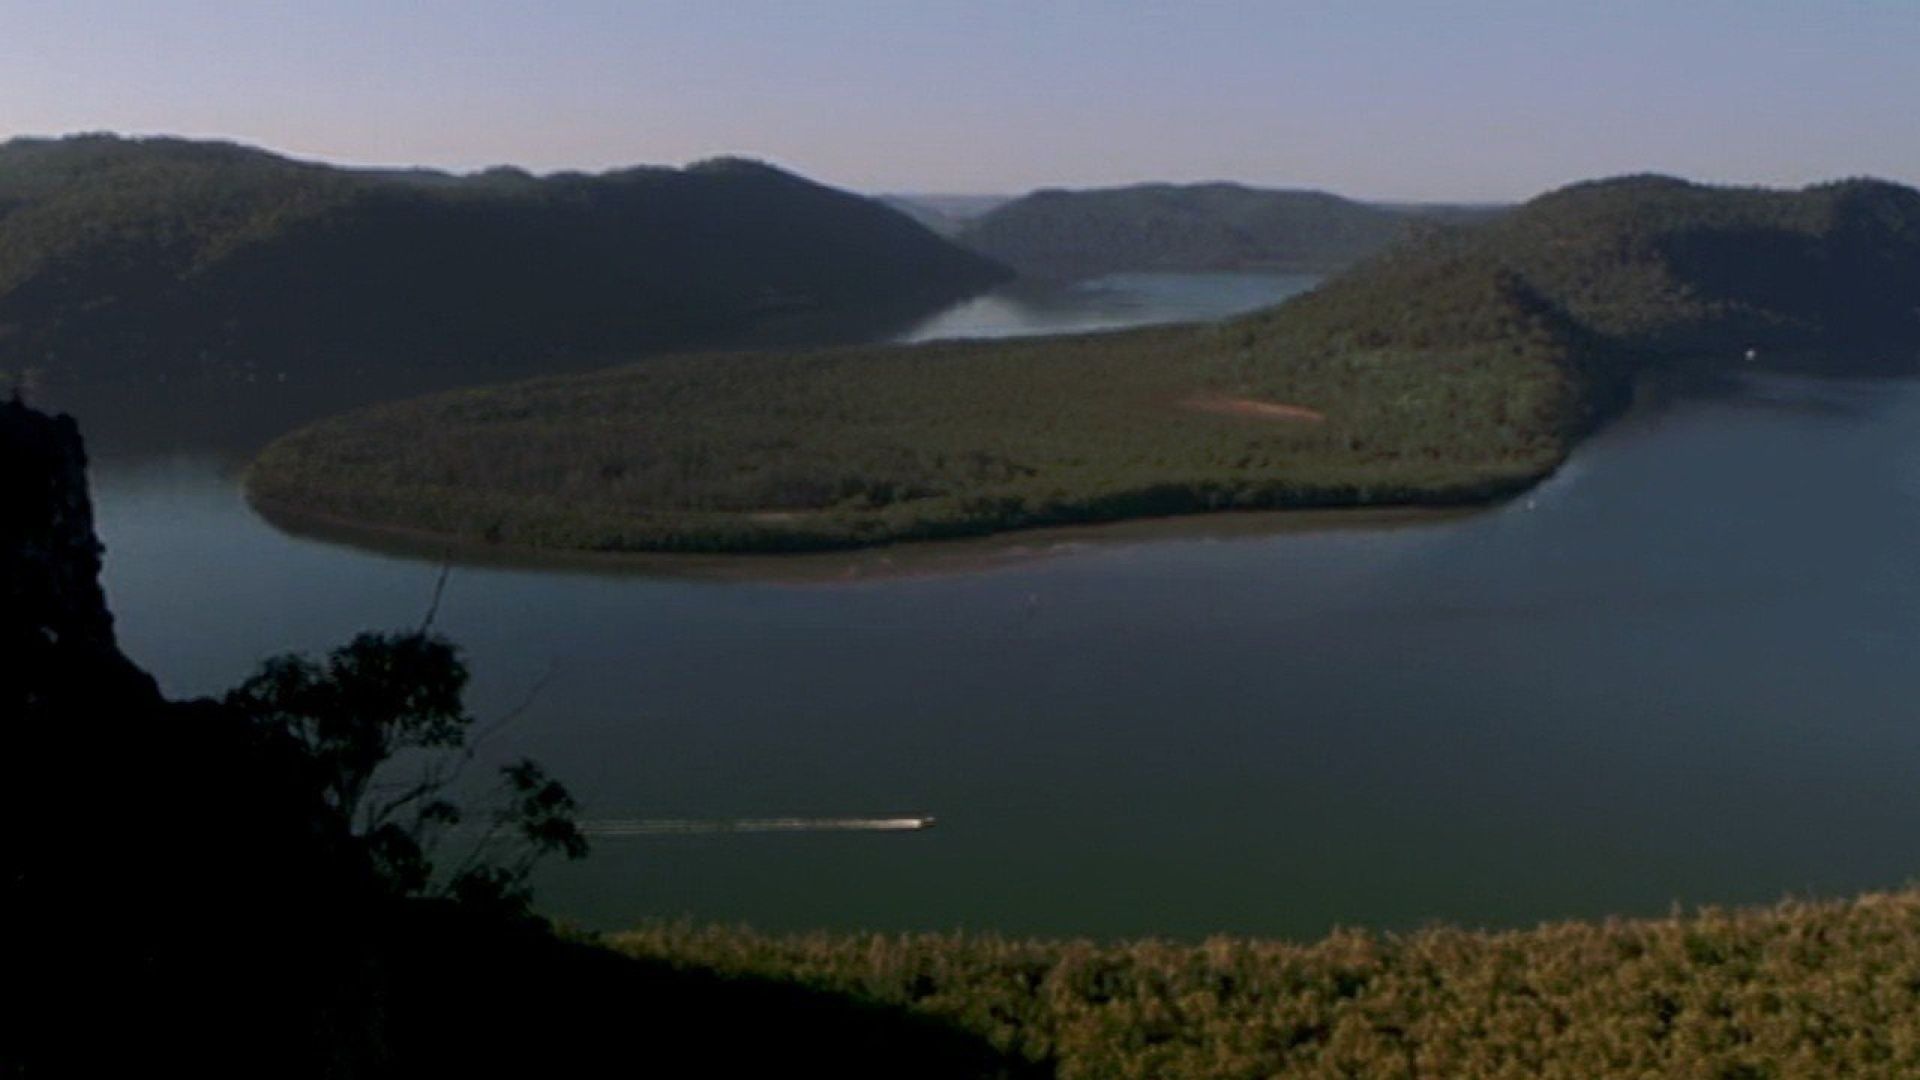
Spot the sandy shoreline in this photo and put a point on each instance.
(903, 559)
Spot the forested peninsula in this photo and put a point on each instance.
(1460, 366)
(162, 258)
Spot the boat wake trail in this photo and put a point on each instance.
(612, 829)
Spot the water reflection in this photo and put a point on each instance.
(1113, 302)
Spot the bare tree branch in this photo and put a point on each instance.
(526, 702)
(439, 590)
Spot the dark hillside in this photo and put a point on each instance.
(150, 257)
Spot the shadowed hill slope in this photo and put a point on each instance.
(165, 257)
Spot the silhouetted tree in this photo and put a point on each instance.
(384, 725)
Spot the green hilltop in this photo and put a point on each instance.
(1461, 366)
(165, 257)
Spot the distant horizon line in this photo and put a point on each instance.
(881, 192)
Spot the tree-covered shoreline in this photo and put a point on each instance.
(1462, 366)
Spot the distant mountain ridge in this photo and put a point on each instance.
(944, 214)
(152, 256)
(1057, 234)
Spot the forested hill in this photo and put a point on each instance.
(1661, 264)
(158, 256)
(1066, 235)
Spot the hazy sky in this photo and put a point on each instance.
(1454, 99)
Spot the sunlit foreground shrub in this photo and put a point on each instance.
(1796, 990)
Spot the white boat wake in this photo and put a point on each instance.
(612, 829)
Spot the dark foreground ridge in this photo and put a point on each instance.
(1459, 367)
(165, 258)
(177, 894)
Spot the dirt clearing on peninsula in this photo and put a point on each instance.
(1259, 410)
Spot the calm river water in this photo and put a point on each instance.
(1683, 670)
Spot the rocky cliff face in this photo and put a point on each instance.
(164, 871)
(53, 614)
